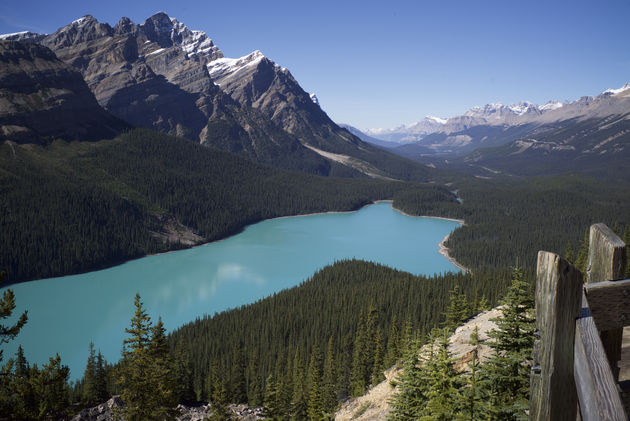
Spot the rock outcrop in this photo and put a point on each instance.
(106, 412)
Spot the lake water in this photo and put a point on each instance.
(66, 313)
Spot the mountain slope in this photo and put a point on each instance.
(162, 75)
(42, 98)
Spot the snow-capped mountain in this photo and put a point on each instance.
(409, 133)
(163, 75)
(499, 115)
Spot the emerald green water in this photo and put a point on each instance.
(66, 313)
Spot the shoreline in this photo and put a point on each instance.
(443, 250)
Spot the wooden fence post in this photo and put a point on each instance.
(558, 303)
(607, 262)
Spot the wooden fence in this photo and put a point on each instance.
(575, 370)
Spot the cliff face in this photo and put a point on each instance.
(43, 98)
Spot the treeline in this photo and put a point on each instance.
(325, 340)
(74, 207)
(509, 219)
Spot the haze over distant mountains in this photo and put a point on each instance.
(497, 114)
(591, 134)
(162, 75)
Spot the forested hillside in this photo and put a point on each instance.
(512, 218)
(334, 333)
(72, 207)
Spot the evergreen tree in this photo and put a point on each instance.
(100, 380)
(271, 409)
(359, 359)
(484, 304)
(506, 373)
(582, 256)
(472, 400)
(161, 374)
(568, 253)
(392, 345)
(51, 388)
(89, 396)
(329, 394)
(298, 398)
(444, 384)
(315, 404)
(147, 389)
(239, 379)
(378, 368)
(457, 310)
(220, 410)
(412, 386)
(7, 305)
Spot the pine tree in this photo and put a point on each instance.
(161, 374)
(582, 256)
(89, 396)
(298, 397)
(329, 394)
(506, 373)
(239, 379)
(51, 388)
(100, 379)
(444, 384)
(377, 367)
(484, 304)
(568, 253)
(271, 408)
(146, 378)
(457, 310)
(7, 305)
(315, 405)
(412, 390)
(359, 359)
(472, 402)
(392, 345)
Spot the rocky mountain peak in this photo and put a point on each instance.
(81, 30)
(125, 26)
(168, 32)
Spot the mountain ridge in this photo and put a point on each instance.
(161, 75)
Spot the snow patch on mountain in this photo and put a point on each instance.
(551, 105)
(617, 91)
(226, 66)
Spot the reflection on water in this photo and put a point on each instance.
(66, 313)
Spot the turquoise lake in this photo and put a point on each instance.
(66, 313)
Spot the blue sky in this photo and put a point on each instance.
(386, 63)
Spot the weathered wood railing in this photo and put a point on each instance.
(575, 369)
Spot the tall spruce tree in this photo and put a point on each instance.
(443, 395)
(457, 310)
(412, 385)
(506, 373)
(147, 390)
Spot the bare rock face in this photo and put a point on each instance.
(161, 75)
(42, 98)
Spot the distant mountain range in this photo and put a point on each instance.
(161, 75)
(591, 134)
